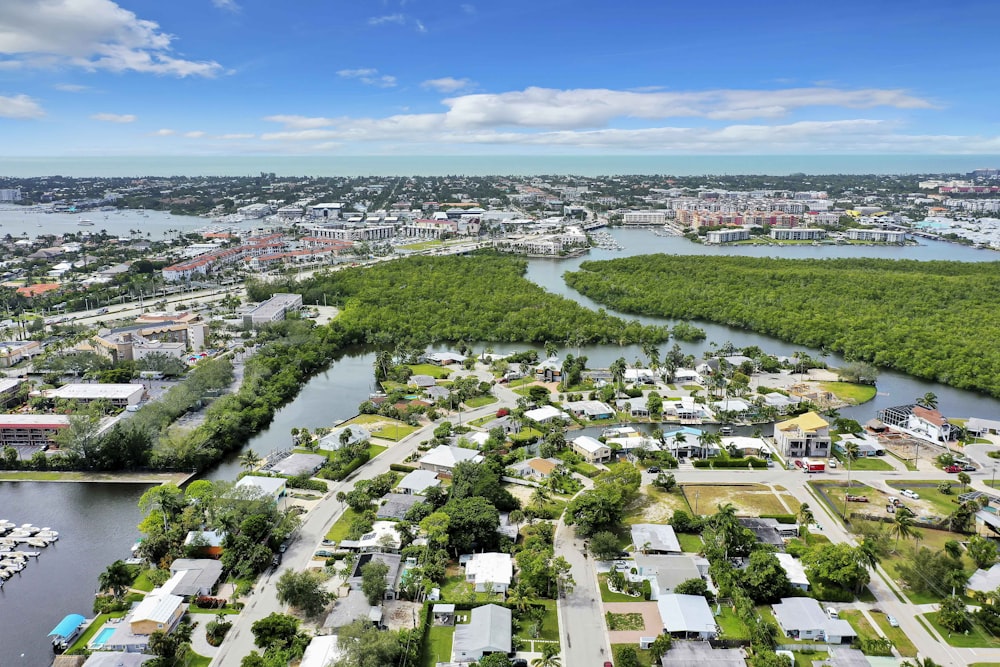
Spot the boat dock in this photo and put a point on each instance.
(13, 560)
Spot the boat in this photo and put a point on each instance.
(37, 542)
(84, 222)
(63, 634)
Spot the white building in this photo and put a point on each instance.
(794, 569)
(654, 538)
(444, 458)
(645, 218)
(686, 616)
(591, 449)
(806, 435)
(272, 310)
(727, 236)
(490, 570)
(877, 235)
(118, 395)
(545, 414)
(798, 234)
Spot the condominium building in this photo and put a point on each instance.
(727, 235)
(877, 235)
(798, 234)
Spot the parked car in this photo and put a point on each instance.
(953, 468)
(832, 613)
(893, 623)
(910, 494)
(798, 463)
(518, 662)
(323, 553)
(969, 468)
(607, 663)
(832, 463)
(653, 469)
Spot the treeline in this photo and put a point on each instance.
(929, 319)
(479, 298)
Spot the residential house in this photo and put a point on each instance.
(536, 468)
(701, 654)
(685, 409)
(746, 446)
(444, 458)
(794, 569)
(444, 358)
(205, 543)
(654, 538)
(918, 421)
(333, 441)
(549, 370)
(593, 410)
(864, 445)
(157, 611)
(297, 464)
(492, 571)
(322, 651)
(488, 631)
(112, 659)
(418, 481)
(256, 485)
(684, 443)
(545, 414)
(780, 402)
(665, 573)
(392, 561)
(637, 407)
(383, 537)
(984, 581)
(422, 381)
(396, 505)
(737, 406)
(805, 435)
(804, 619)
(639, 376)
(194, 576)
(687, 616)
(591, 449)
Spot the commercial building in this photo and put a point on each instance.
(118, 395)
(272, 310)
(877, 235)
(12, 352)
(30, 433)
(727, 235)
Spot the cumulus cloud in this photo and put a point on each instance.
(446, 84)
(234, 136)
(398, 19)
(93, 34)
(115, 117)
(71, 87)
(227, 5)
(299, 122)
(369, 77)
(195, 134)
(468, 8)
(20, 107)
(164, 132)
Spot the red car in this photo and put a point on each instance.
(798, 463)
(953, 468)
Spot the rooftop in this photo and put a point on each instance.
(655, 537)
(809, 421)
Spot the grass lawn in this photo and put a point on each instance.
(985, 664)
(933, 540)
(483, 421)
(375, 450)
(525, 434)
(941, 503)
(691, 387)
(142, 582)
(437, 646)
(654, 506)
(550, 623)
(436, 372)
(896, 636)
(645, 658)
(859, 623)
(88, 634)
(690, 543)
(805, 658)
(195, 660)
(852, 393)
(753, 499)
(732, 626)
(976, 638)
(225, 610)
(624, 621)
(339, 530)
(520, 382)
(610, 596)
(480, 401)
(383, 427)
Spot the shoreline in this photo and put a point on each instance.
(71, 476)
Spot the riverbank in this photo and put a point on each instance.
(177, 478)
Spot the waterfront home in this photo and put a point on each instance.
(593, 410)
(444, 458)
(488, 631)
(654, 538)
(297, 465)
(444, 358)
(489, 570)
(746, 446)
(422, 381)
(635, 407)
(639, 376)
(194, 576)
(321, 652)
(864, 445)
(780, 402)
(545, 414)
(686, 616)
(418, 481)
(261, 487)
(335, 439)
(207, 543)
(116, 659)
(549, 370)
(804, 619)
(918, 421)
(591, 449)
(805, 435)
(536, 468)
(735, 405)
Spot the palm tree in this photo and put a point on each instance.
(550, 349)
(964, 479)
(617, 369)
(520, 596)
(249, 460)
(550, 656)
(918, 662)
(383, 363)
(867, 553)
(806, 514)
(953, 549)
(902, 525)
(116, 578)
(928, 400)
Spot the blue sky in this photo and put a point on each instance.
(416, 77)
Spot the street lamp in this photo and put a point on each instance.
(696, 495)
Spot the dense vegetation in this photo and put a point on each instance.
(481, 298)
(928, 319)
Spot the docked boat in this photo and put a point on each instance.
(68, 629)
(37, 542)
(84, 222)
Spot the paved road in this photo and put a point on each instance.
(264, 601)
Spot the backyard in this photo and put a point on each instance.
(437, 646)
(854, 394)
(383, 427)
(975, 638)
(748, 499)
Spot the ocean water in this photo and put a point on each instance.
(519, 165)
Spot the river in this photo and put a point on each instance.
(97, 521)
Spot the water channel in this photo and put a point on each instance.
(97, 521)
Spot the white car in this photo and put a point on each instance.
(910, 494)
(893, 623)
(832, 463)
(832, 613)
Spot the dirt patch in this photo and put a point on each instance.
(400, 614)
(522, 493)
(655, 507)
(653, 625)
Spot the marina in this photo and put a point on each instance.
(14, 561)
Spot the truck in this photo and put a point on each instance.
(814, 465)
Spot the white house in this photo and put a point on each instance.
(382, 537)
(654, 538)
(794, 569)
(590, 409)
(488, 631)
(545, 414)
(493, 570)
(417, 482)
(804, 618)
(918, 421)
(805, 435)
(262, 486)
(444, 458)
(686, 616)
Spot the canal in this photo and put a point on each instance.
(97, 522)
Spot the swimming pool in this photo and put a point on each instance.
(102, 638)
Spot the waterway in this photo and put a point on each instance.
(23, 221)
(97, 521)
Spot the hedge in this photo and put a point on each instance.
(401, 467)
(731, 463)
(780, 518)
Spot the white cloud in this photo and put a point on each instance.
(398, 19)
(21, 107)
(115, 117)
(227, 5)
(71, 87)
(468, 8)
(419, 25)
(195, 134)
(299, 122)
(165, 132)
(92, 34)
(369, 77)
(234, 136)
(446, 84)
